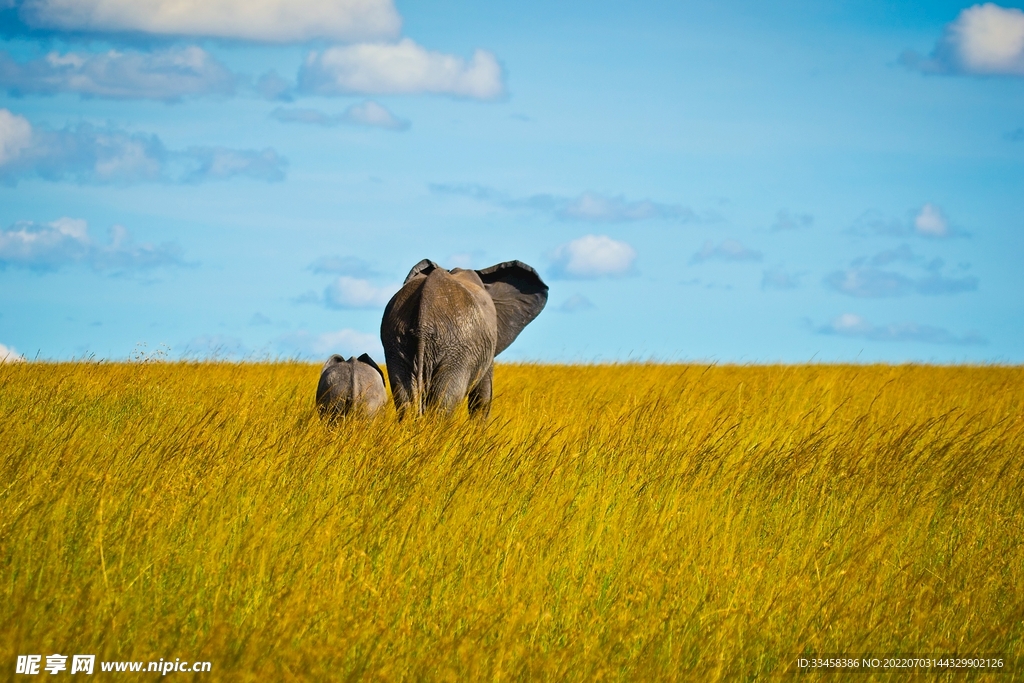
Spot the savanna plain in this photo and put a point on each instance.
(632, 522)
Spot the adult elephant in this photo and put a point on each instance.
(443, 328)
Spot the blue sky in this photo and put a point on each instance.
(731, 182)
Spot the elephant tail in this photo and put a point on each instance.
(420, 390)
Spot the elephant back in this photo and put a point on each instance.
(455, 311)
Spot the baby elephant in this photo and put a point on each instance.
(350, 386)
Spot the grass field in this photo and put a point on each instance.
(627, 522)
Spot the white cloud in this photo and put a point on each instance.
(346, 342)
(930, 222)
(276, 21)
(167, 75)
(593, 256)
(15, 136)
(576, 302)
(869, 283)
(32, 245)
(903, 253)
(990, 39)
(849, 323)
(400, 68)
(598, 208)
(368, 113)
(271, 86)
(221, 163)
(350, 292)
(9, 355)
(876, 283)
(87, 154)
(728, 250)
(66, 241)
(307, 297)
(852, 325)
(984, 40)
(591, 207)
(787, 220)
(779, 279)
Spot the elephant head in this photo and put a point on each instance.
(443, 328)
(350, 386)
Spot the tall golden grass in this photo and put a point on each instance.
(623, 522)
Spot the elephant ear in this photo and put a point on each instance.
(519, 296)
(365, 358)
(422, 268)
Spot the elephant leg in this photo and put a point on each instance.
(401, 389)
(480, 395)
(446, 395)
(402, 399)
(448, 386)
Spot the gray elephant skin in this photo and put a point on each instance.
(350, 386)
(443, 328)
